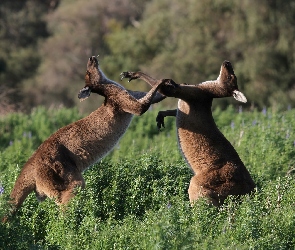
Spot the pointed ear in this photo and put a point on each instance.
(84, 93)
(239, 96)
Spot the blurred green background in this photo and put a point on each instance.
(44, 47)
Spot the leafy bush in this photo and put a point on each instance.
(136, 197)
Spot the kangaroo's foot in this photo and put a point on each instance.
(40, 196)
(71, 191)
(11, 211)
(4, 219)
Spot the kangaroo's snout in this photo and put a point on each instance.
(228, 66)
(92, 62)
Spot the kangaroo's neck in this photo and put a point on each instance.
(104, 80)
(215, 88)
(198, 112)
(105, 86)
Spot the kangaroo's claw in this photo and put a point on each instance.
(160, 121)
(128, 74)
(123, 75)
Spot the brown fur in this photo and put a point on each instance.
(218, 169)
(56, 167)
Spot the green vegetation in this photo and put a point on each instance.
(44, 46)
(143, 204)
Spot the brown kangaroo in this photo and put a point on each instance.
(55, 169)
(218, 169)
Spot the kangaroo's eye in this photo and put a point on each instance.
(229, 77)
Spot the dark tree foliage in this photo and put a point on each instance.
(44, 46)
(188, 41)
(78, 32)
(22, 26)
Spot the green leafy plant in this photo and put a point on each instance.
(136, 197)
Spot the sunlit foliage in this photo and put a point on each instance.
(136, 197)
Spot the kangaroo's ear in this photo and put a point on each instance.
(84, 93)
(239, 96)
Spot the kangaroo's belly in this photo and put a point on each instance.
(89, 140)
(203, 146)
(109, 135)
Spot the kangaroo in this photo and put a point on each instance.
(55, 168)
(217, 167)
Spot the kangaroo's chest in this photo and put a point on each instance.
(200, 141)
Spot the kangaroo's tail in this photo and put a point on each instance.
(24, 185)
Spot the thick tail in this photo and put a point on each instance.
(23, 186)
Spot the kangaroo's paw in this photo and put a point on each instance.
(130, 75)
(170, 83)
(160, 121)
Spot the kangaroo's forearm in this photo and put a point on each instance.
(138, 106)
(168, 112)
(158, 97)
(164, 90)
(148, 79)
(147, 100)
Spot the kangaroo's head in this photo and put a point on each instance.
(228, 79)
(94, 79)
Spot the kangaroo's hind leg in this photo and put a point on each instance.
(24, 185)
(70, 191)
(197, 190)
(57, 185)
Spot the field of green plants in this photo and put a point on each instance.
(136, 197)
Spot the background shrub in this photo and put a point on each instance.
(136, 197)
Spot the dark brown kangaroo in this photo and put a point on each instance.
(218, 169)
(55, 169)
